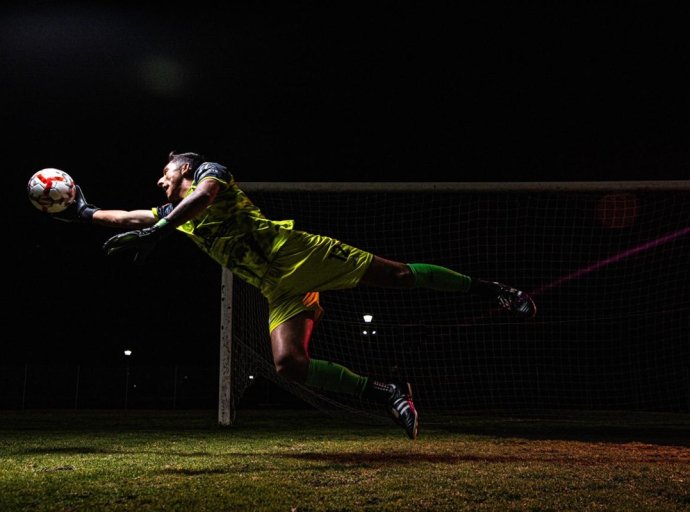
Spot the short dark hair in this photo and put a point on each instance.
(193, 159)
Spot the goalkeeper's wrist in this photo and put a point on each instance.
(164, 227)
(86, 214)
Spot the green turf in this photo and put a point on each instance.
(304, 460)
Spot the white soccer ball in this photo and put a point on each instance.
(51, 190)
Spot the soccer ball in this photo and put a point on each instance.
(51, 190)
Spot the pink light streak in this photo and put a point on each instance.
(613, 259)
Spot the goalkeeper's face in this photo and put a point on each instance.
(173, 182)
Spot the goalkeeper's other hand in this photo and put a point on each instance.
(79, 211)
(140, 241)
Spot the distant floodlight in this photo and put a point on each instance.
(128, 352)
(365, 332)
(373, 332)
(251, 377)
(368, 318)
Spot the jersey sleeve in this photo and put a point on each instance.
(212, 170)
(161, 211)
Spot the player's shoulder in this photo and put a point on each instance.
(213, 170)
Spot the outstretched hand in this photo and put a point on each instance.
(141, 242)
(79, 211)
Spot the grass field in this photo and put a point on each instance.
(304, 460)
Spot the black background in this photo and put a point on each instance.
(301, 91)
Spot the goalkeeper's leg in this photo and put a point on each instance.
(289, 342)
(394, 274)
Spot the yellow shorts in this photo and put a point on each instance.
(305, 265)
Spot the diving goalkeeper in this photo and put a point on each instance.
(289, 266)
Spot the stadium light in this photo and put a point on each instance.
(128, 353)
(368, 318)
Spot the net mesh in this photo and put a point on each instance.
(608, 270)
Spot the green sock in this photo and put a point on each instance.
(439, 278)
(334, 377)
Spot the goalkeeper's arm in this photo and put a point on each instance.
(142, 241)
(82, 211)
(193, 204)
(124, 218)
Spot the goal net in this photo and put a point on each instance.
(607, 264)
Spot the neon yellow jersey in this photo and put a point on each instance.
(232, 230)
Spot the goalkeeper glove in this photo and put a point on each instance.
(78, 211)
(140, 241)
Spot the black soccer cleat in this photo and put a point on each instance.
(402, 410)
(516, 301)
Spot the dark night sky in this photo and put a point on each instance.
(376, 91)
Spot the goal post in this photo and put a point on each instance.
(607, 263)
(226, 401)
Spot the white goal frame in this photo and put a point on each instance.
(226, 410)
